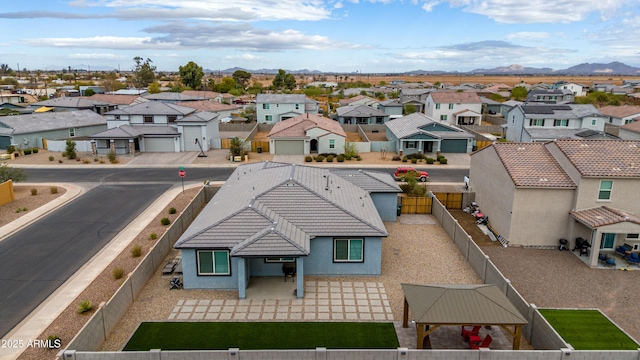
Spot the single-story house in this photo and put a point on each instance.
(171, 97)
(225, 110)
(271, 215)
(361, 115)
(76, 103)
(305, 134)
(418, 133)
(630, 131)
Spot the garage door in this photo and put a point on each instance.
(453, 146)
(191, 133)
(158, 145)
(5, 142)
(289, 147)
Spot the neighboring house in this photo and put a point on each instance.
(576, 89)
(393, 108)
(12, 98)
(544, 122)
(267, 215)
(172, 97)
(74, 104)
(225, 110)
(454, 108)
(360, 115)
(119, 100)
(630, 131)
(305, 134)
(417, 133)
(620, 115)
(272, 108)
(29, 130)
(95, 89)
(537, 193)
(602, 86)
(209, 95)
(507, 106)
(14, 109)
(360, 100)
(415, 97)
(558, 96)
(490, 106)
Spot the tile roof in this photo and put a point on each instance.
(299, 125)
(604, 215)
(632, 126)
(620, 111)
(152, 108)
(455, 97)
(201, 94)
(348, 101)
(532, 165)
(280, 98)
(603, 158)
(171, 96)
(114, 98)
(359, 111)
(372, 181)
(207, 105)
(201, 116)
(47, 121)
(298, 202)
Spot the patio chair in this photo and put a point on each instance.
(289, 270)
(623, 250)
(468, 333)
(175, 283)
(633, 259)
(484, 344)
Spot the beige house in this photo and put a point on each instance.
(537, 193)
(306, 134)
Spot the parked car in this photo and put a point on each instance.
(401, 172)
(466, 182)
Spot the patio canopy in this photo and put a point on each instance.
(459, 305)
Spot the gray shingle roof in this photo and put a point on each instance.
(359, 111)
(372, 181)
(280, 99)
(554, 111)
(47, 121)
(172, 96)
(72, 102)
(153, 108)
(299, 202)
(558, 133)
(411, 124)
(201, 116)
(133, 131)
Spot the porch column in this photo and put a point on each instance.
(438, 146)
(596, 239)
(94, 149)
(132, 147)
(112, 146)
(242, 279)
(300, 277)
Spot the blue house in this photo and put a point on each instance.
(270, 215)
(418, 133)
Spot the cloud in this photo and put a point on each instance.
(619, 40)
(429, 5)
(102, 42)
(99, 56)
(245, 57)
(529, 35)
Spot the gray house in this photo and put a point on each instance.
(557, 96)
(361, 115)
(391, 107)
(29, 130)
(417, 133)
(415, 97)
(265, 218)
(74, 104)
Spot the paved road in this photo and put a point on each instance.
(38, 259)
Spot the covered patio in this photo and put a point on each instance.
(438, 305)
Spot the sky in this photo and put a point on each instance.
(364, 36)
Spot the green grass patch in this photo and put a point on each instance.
(262, 336)
(588, 330)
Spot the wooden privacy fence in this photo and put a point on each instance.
(422, 205)
(225, 143)
(256, 144)
(482, 144)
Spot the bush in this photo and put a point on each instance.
(395, 158)
(414, 160)
(111, 155)
(443, 161)
(53, 190)
(18, 210)
(165, 221)
(53, 341)
(84, 307)
(27, 151)
(330, 158)
(11, 149)
(24, 209)
(70, 149)
(308, 158)
(35, 150)
(430, 160)
(153, 236)
(359, 158)
(117, 273)
(340, 158)
(34, 192)
(85, 161)
(59, 161)
(136, 251)
(405, 159)
(51, 158)
(172, 210)
(440, 157)
(319, 158)
(95, 159)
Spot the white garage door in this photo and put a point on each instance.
(158, 145)
(289, 147)
(191, 133)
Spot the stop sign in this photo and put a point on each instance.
(182, 173)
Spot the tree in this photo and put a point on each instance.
(70, 149)
(154, 88)
(408, 109)
(290, 81)
(89, 92)
(350, 150)
(5, 69)
(256, 87)
(519, 93)
(241, 78)
(143, 72)
(226, 84)
(237, 147)
(110, 82)
(278, 80)
(9, 173)
(191, 75)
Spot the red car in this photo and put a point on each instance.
(400, 173)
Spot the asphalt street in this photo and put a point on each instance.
(35, 261)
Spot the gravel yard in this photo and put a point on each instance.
(24, 200)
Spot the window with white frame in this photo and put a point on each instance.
(332, 143)
(72, 132)
(265, 106)
(443, 117)
(536, 122)
(594, 122)
(561, 122)
(450, 106)
(148, 119)
(297, 106)
(268, 117)
(411, 144)
(628, 121)
(279, 260)
(348, 250)
(213, 262)
(437, 105)
(605, 189)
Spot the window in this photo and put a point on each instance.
(172, 118)
(605, 190)
(268, 118)
(411, 144)
(561, 122)
(437, 105)
(213, 262)
(443, 117)
(72, 132)
(297, 106)
(332, 143)
(348, 250)
(594, 122)
(633, 237)
(279, 260)
(450, 106)
(628, 121)
(379, 120)
(536, 122)
(148, 119)
(265, 106)
(117, 118)
(362, 121)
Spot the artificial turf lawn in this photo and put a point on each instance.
(588, 330)
(262, 335)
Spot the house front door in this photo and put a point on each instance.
(314, 146)
(608, 240)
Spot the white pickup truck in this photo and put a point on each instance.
(466, 182)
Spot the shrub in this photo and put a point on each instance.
(350, 150)
(429, 160)
(440, 157)
(395, 158)
(70, 149)
(11, 149)
(35, 150)
(111, 155)
(319, 158)
(340, 158)
(95, 159)
(18, 210)
(84, 307)
(34, 192)
(172, 210)
(51, 158)
(101, 161)
(443, 161)
(59, 161)
(359, 158)
(136, 251)
(53, 341)
(24, 209)
(165, 221)
(27, 151)
(414, 160)
(85, 161)
(117, 273)
(330, 158)
(53, 189)
(308, 158)
(405, 159)
(153, 236)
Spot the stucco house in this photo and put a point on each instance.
(392, 107)
(557, 96)
(537, 193)
(359, 100)
(29, 130)
(454, 108)
(630, 131)
(417, 133)
(361, 115)
(74, 104)
(119, 101)
(576, 89)
(305, 134)
(545, 122)
(271, 108)
(415, 97)
(224, 110)
(620, 115)
(268, 214)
